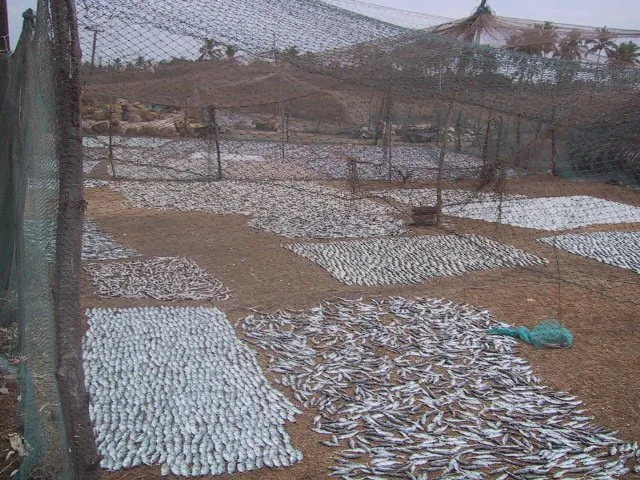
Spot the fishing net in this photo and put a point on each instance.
(29, 207)
(547, 334)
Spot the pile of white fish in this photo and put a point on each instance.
(620, 249)
(197, 158)
(98, 245)
(552, 213)
(175, 386)
(95, 183)
(405, 260)
(161, 278)
(292, 209)
(417, 197)
(415, 389)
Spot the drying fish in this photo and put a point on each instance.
(406, 260)
(175, 386)
(553, 213)
(620, 249)
(97, 245)
(162, 278)
(417, 389)
(196, 159)
(292, 209)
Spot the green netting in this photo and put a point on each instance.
(29, 194)
(548, 334)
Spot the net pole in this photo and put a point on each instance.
(81, 449)
(443, 153)
(387, 132)
(5, 45)
(216, 138)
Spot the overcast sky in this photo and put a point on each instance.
(613, 13)
(597, 13)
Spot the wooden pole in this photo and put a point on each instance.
(458, 128)
(485, 148)
(84, 462)
(387, 139)
(216, 138)
(443, 153)
(111, 159)
(5, 45)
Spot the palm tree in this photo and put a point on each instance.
(601, 43)
(230, 51)
(538, 39)
(209, 50)
(626, 54)
(570, 47)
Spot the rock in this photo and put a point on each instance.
(100, 115)
(180, 125)
(148, 115)
(100, 127)
(135, 118)
(266, 124)
(417, 134)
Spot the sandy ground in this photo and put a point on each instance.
(599, 303)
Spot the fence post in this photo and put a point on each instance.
(82, 452)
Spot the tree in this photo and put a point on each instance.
(117, 64)
(625, 54)
(539, 39)
(571, 47)
(601, 43)
(210, 50)
(140, 62)
(230, 51)
(290, 53)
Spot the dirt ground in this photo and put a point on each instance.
(599, 303)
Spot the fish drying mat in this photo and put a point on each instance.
(416, 389)
(175, 386)
(553, 213)
(98, 245)
(161, 278)
(406, 260)
(291, 209)
(189, 160)
(620, 249)
(419, 197)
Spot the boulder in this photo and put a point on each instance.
(148, 115)
(266, 124)
(100, 127)
(100, 115)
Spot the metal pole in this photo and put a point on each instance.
(5, 46)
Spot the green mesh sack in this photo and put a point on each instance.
(547, 334)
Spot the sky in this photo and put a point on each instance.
(613, 13)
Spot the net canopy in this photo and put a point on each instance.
(324, 61)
